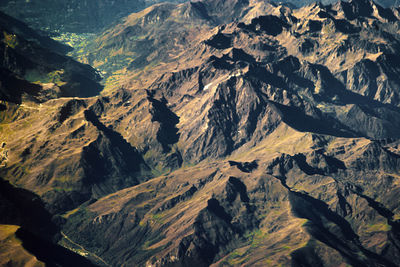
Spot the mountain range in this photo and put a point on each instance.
(94, 15)
(72, 15)
(228, 133)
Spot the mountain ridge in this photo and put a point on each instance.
(308, 151)
(271, 139)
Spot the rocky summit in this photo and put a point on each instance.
(223, 133)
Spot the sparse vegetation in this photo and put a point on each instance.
(75, 40)
(12, 250)
(10, 39)
(55, 77)
(379, 227)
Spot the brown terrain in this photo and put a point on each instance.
(265, 136)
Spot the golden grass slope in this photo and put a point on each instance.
(12, 253)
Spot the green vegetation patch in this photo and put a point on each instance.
(10, 40)
(157, 218)
(396, 217)
(379, 227)
(154, 239)
(74, 39)
(55, 77)
(235, 258)
(256, 237)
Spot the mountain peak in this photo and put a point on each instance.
(362, 8)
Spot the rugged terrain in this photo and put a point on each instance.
(36, 65)
(72, 15)
(269, 136)
(93, 15)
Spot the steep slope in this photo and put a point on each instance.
(34, 66)
(126, 51)
(92, 16)
(315, 207)
(145, 38)
(241, 81)
(72, 16)
(52, 147)
(159, 34)
(13, 26)
(28, 232)
(12, 252)
(297, 154)
(61, 151)
(270, 140)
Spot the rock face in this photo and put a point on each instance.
(271, 139)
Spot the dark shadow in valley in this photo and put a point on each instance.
(305, 167)
(244, 166)
(38, 229)
(49, 253)
(297, 119)
(269, 24)
(219, 41)
(168, 132)
(98, 167)
(24, 208)
(12, 88)
(346, 241)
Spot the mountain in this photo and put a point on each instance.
(72, 15)
(300, 3)
(94, 15)
(143, 40)
(36, 66)
(294, 143)
(265, 136)
(33, 72)
(28, 232)
(125, 52)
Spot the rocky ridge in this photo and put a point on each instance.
(269, 140)
(320, 138)
(92, 16)
(35, 67)
(72, 16)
